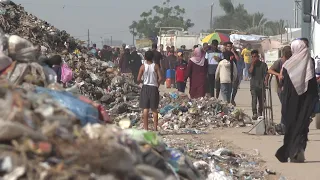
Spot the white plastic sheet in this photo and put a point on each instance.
(238, 37)
(215, 173)
(218, 176)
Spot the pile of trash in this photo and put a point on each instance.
(180, 112)
(42, 139)
(15, 20)
(101, 82)
(180, 115)
(216, 162)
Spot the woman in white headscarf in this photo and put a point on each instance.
(299, 98)
(197, 72)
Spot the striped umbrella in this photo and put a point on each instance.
(218, 36)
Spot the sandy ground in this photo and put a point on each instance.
(267, 145)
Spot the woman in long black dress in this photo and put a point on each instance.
(299, 98)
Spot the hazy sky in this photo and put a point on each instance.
(107, 18)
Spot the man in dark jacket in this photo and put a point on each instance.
(135, 64)
(125, 61)
(106, 53)
(169, 62)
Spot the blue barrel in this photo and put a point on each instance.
(171, 73)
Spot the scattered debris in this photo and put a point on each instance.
(214, 161)
(48, 132)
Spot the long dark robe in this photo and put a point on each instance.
(124, 63)
(296, 112)
(135, 65)
(198, 76)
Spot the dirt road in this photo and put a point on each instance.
(267, 145)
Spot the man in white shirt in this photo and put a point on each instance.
(213, 55)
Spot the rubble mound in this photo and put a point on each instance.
(15, 20)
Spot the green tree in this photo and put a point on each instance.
(237, 17)
(275, 27)
(160, 16)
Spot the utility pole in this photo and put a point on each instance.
(280, 31)
(111, 41)
(101, 42)
(88, 38)
(288, 31)
(133, 36)
(211, 14)
(296, 13)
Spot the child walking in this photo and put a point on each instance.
(181, 69)
(226, 74)
(149, 97)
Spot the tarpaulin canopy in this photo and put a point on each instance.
(220, 37)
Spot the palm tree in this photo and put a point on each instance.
(257, 23)
(275, 27)
(227, 6)
(237, 17)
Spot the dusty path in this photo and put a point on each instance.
(267, 145)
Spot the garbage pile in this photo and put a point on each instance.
(180, 115)
(180, 112)
(101, 82)
(41, 139)
(15, 20)
(217, 161)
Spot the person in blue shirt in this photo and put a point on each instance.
(94, 50)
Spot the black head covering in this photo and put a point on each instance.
(54, 60)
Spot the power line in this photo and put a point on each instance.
(99, 35)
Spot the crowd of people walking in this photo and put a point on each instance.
(214, 69)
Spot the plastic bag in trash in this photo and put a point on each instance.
(143, 136)
(66, 73)
(21, 49)
(166, 109)
(111, 64)
(85, 112)
(93, 76)
(103, 115)
(218, 176)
